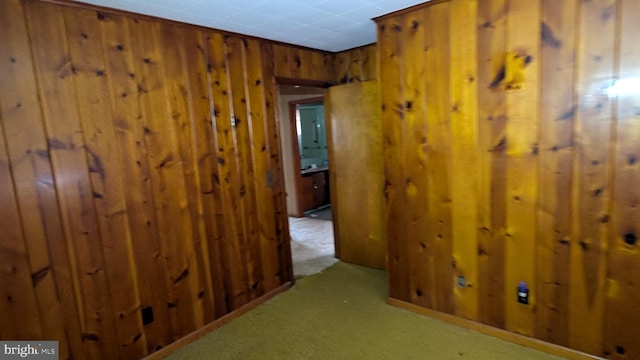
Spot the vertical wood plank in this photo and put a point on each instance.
(306, 64)
(592, 183)
(91, 82)
(622, 292)
(165, 165)
(341, 66)
(322, 66)
(356, 68)
(439, 226)
(184, 189)
(208, 199)
(492, 120)
(295, 63)
(274, 177)
(302, 64)
(391, 95)
(558, 36)
(464, 126)
(236, 283)
(281, 60)
(18, 302)
(260, 150)
(370, 62)
(163, 172)
(523, 40)
(415, 134)
(71, 164)
(358, 64)
(242, 143)
(181, 110)
(218, 253)
(31, 168)
(120, 53)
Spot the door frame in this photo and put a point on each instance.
(296, 149)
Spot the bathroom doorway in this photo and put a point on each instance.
(305, 165)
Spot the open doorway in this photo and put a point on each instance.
(305, 166)
(311, 169)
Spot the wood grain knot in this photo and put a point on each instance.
(183, 275)
(632, 160)
(90, 337)
(630, 239)
(37, 276)
(584, 245)
(547, 36)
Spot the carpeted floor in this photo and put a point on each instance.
(341, 314)
(312, 246)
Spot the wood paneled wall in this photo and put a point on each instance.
(356, 65)
(511, 133)
(303, 64)
(141, 191)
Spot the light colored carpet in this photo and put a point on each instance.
(341, 313)
(312, 246)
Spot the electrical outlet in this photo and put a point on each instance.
(523, 293)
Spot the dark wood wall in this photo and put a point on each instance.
(141, 191)
(510, 157)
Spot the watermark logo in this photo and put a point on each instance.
(35, 350)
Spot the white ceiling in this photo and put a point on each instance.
(331, 25)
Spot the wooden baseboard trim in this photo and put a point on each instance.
(495, 332)
(167, 350)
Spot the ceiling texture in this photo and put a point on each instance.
(330, 25)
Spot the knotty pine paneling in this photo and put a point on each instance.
(31, 245)
(140, 176)
(557, 92)
(492, 182)
(301, 63)
(356, 65)
(622, 294)
(592, 181)
(522, 150)
(463, 100)
(511, 158)
(391, 97)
